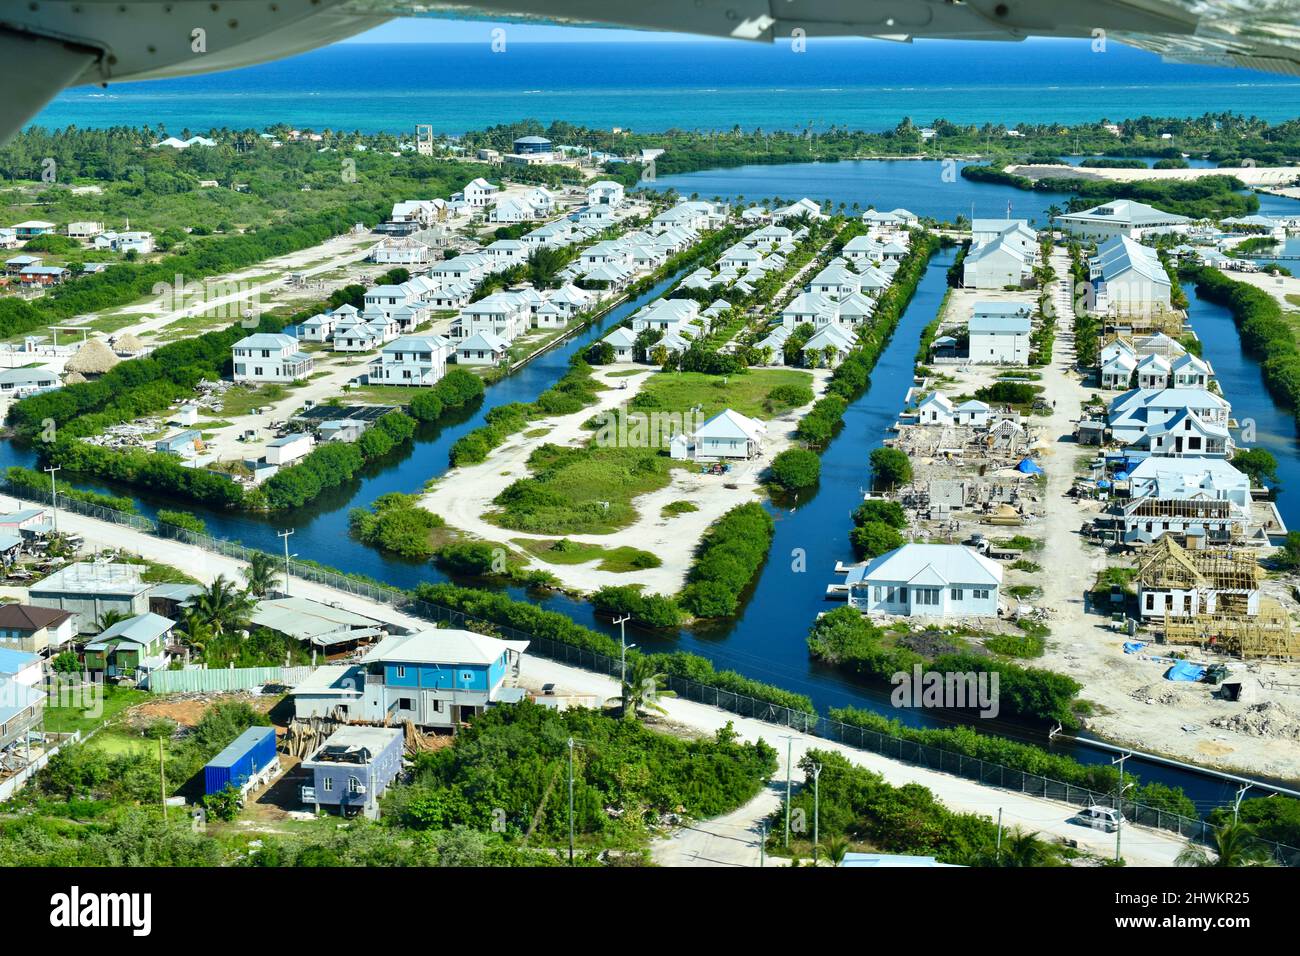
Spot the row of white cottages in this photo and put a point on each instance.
(839, 300)
(1151, 361)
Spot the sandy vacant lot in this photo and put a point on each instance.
(465, 494)
(1250, 175)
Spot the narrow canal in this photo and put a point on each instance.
(767, 640)
(1242, 381)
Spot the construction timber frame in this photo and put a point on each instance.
(1167, 564)
(1268, 634)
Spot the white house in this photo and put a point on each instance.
(836, 281)
(728, 435)
(1177, 495)
(827, 347)
(415, 360)
(84, 230)
(1172, 421)
(482, 348)
(605, 192)
(999, 333)
(927, 580)
(1190, 371)
(1121, 217)
(622, 340)
(801, 207)
(1153, 372)
(810, 308)
(1119, 361)
(401, 251)
(479, 193)
(935, 409)
(269, 357)
(995, 265)
(1129, 278)
(972, 412)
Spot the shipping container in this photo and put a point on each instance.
(247, 756)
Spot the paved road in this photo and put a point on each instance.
(729, 840)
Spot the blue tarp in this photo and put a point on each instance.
(1121, 476)
(1028, 467)
(1132, 647)
(1103, 483)
(1185, 671)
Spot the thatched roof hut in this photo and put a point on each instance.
(128, 344)
(93, 358)
(73, 378)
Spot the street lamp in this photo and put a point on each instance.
(54, 496)
(285, 535)
(623, 646)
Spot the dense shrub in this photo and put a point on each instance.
(796, 468)
(876, 509)
(842, 637)
(890, 467)
(652, 610)
(396, 522)
(729, 556)
(874, 538)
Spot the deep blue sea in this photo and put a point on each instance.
(703, 85)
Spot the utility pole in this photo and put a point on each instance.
(54, 496)
(622, 641)
(997, 857)
(789, 764)
(162, 779)
(570, 801)
(817, 774)
(1236, 804)
(1119, 824)
(285, 535)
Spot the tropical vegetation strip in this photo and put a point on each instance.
(1263, 328)
(95, 804)
(844, 638)
(1207, 197)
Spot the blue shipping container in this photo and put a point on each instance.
(249, 753)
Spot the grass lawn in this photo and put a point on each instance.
(590, 490)
(676, 508)
(241, 400)
(380, 394)
(563, 551)
(745, 393)
(118, 742)
(624, 373)
(64, 720)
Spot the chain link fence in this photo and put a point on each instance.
(887, 745)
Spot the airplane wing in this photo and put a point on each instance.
(49, 45)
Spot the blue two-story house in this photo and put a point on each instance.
(439, 678)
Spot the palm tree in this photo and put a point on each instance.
(109, 618)
(260, 574)
(641, 688)
(837, 847)
(194, 631)
(221, 605)
(1026, 849)
(1235, 844)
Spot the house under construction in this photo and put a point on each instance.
(1175, 581)
(1210, 598)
